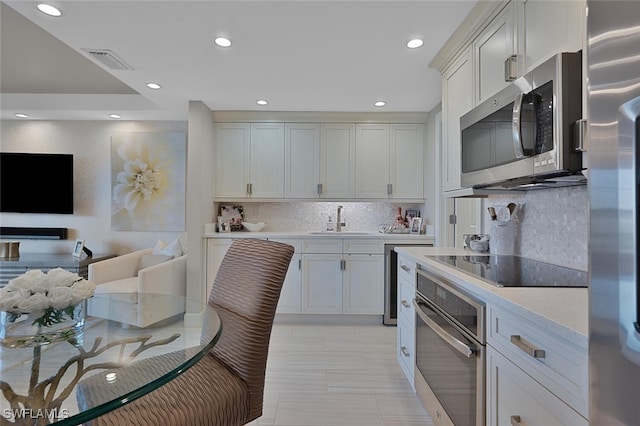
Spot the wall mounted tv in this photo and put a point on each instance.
(36, 183)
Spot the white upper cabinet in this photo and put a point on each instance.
(549, 27)
(307, 161)
(492, 50)
(457, 99)
(390, 161)
(267, 160)
(249, 160)
(337, 161)
(232, 159)
(407, 161)
(302, 160)
(372, 161)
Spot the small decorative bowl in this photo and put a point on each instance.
(254, 227)
(479, 245)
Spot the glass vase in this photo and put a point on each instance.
(41, 327)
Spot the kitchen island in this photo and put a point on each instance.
(535, 356)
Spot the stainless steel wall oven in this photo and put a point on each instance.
(450, 352)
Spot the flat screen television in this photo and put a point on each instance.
(36, 183)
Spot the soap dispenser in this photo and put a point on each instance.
(331, 226)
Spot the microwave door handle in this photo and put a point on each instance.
(458, 345)
(515, 126)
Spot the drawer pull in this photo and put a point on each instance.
(515, 420)
(404, 351)
(405, 304)
(526, 347)
(405, 268)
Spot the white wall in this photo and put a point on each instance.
(200, 157)
(90, 143)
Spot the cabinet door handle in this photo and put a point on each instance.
(319, 188)
(405, 268)
(511, 68)
(404, 351)
(389, 189)
(526, 347)
(515, 420)
(343, 265)
(405, 304)
(299, 263)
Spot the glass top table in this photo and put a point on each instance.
(73, 381)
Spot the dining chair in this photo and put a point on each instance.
(225, 387)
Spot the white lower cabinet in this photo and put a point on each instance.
(321, 284)
(325, 276)
(514, 398)
(216, 249)
(406, 334)
(534, 377)
(363, 284)
(345, 279)
(290, 294)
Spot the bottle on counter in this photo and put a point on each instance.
(331, 226)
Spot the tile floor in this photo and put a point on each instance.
(337, 375)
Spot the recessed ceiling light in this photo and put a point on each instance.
(114, 116)
(222, 42)
(47, 9)
(262, 102)
(21, 115)
(415, 43)
(154, 86)
(379, 103)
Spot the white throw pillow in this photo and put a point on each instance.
(148, 260)
(174, 248)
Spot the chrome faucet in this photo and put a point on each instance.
(339, 223)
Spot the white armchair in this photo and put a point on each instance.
(130, 276)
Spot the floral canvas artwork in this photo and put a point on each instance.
(148, 172)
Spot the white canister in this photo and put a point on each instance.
(503, 237)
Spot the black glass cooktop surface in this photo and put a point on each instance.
(515, 271)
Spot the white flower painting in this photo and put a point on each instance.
(148, 172)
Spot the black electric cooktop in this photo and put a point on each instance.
(515, 271)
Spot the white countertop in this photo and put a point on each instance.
(388, 238)
(563, 310)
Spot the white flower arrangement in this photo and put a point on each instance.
(54, 293)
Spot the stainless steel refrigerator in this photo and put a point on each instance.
(613, 67)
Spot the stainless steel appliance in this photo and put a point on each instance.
(516, 271)
(449, 352)
(613, 66)
(523, 137)
(391, 282)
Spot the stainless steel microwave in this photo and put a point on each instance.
(525, 136)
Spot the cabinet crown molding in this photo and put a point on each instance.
(319, 117)
(478, 18)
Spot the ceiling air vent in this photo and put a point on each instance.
(109, 59)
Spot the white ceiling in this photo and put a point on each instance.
(299, 55)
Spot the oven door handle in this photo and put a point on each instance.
(458, 345)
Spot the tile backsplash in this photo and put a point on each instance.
(552, 225)
(312, 216)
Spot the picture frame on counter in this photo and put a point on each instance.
(416, 225)
(224, 224)
(77, 248)
(411, 214)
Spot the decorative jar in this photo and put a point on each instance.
(39, 308)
